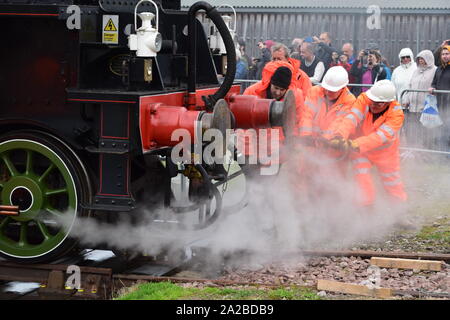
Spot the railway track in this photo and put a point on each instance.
(77, 278)
(100, 280)
(382, 254)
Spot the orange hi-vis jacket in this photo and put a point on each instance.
(259, 89)
(376, 138)
(300, 77)
(318, 119)
(378, 143)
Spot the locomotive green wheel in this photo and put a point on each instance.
(43, 177)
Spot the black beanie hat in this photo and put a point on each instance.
(282, 77)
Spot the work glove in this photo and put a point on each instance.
(338, 143)
(353, 145)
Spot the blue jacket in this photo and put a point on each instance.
(388, 71)
(241, 70)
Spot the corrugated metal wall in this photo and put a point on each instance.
(416, 31)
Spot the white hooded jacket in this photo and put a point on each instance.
(421, 79)
(403, 73)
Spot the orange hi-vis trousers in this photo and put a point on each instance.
(389, 171)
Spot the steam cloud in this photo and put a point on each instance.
(290, 211)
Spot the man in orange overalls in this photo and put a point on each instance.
(373, 125)
(324, 107)
(326, 104)
(277, 79)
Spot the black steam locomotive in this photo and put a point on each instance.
(90, 94)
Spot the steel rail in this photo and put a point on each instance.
(362, 254)
(382, 254)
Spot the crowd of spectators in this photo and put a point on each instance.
(317, 55)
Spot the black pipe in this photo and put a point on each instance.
(215, 17)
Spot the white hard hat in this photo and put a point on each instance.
(335, 79)
(382, 91)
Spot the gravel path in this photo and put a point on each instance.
(351, 270)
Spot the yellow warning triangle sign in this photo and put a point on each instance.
(110, 26)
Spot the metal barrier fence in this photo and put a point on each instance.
(416, 137)
(245, 83)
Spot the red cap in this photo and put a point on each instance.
(269, 43)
